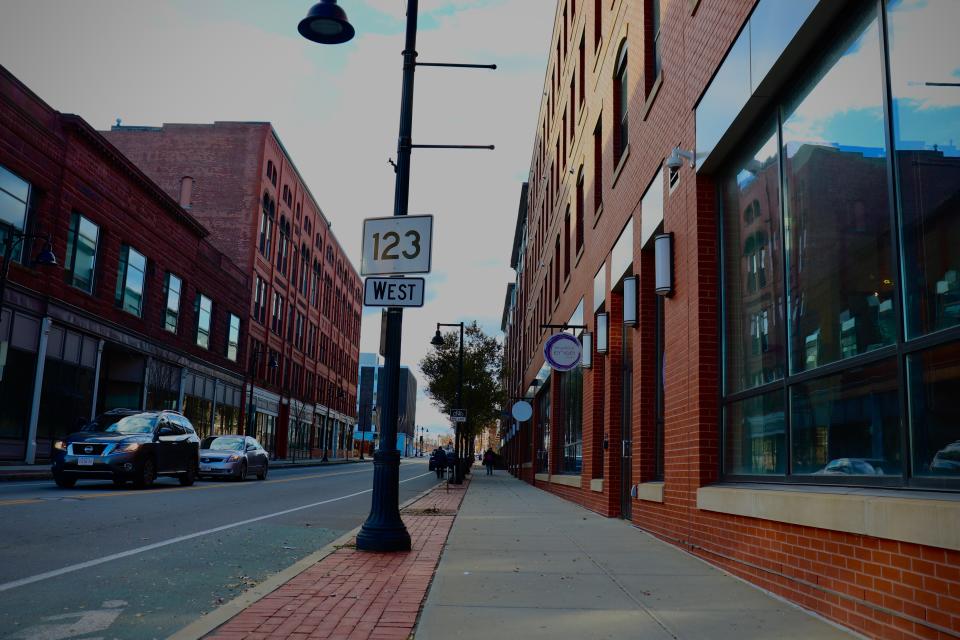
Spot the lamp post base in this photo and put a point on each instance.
(383, 529)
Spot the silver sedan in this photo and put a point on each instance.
(232, 457)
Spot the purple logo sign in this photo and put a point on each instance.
(562, 351)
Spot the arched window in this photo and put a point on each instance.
(186, 191)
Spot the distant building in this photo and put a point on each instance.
(141, 311)
(369, 408)
(303, 299)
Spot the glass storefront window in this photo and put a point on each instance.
(571, 391)
(847, 424)
(926, 125)
(752, 268)
(933, 379)
(839, 266)
(543, 429)
(756, 442)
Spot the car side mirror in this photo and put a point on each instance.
(164, 430)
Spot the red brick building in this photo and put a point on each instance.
(141, 310)
(749, 211)
(304, 296)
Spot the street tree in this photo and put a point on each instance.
(482, 368)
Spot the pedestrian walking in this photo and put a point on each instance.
(488, 460)
(439, 460)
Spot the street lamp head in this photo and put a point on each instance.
(47, 258)
(437, 340)
(326, 23)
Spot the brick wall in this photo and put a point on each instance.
(879, 587)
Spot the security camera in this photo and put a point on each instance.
(675, 159)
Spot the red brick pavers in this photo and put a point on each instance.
(357, 595)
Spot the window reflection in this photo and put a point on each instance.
(925, 83)
(838, 217)
(847, 424)
(753, 269)
(934, 383)
(756, 436)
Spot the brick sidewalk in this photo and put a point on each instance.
(355, 595)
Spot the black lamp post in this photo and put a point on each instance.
(254, 362)
(12, 239)
(437, 341)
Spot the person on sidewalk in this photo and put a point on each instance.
(440, 463)
(488, 459)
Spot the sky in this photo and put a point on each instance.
(336, 109)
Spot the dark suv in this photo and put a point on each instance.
(138, 447)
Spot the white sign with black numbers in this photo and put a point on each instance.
(396, 245)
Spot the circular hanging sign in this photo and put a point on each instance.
(521, 410)
(562, 351)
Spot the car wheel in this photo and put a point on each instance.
(188, 477)
(243, 471)
(262, 475)
(64, 482)
(147, 473)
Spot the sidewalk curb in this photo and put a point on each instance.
(219, 616)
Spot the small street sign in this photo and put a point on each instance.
(396, 245)
(521, 410)
(393, 292)
(458, 415)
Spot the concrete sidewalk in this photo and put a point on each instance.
(522, 563)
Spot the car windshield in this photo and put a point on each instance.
(133, 424)
(224, 442)
(104, 420)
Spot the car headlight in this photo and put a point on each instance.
(233, 458)
(60, 445)
(128, 446)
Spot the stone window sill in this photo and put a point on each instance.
(558, 478)
(916, 517)
(650, 491)
(596, 485)
(620, 165)
(652, 96)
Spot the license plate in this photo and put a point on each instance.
(205, 467)
(86, 461)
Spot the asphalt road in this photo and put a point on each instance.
(100, 562)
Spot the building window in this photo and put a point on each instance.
(81, 259)
(597, 24)
(233, 337)
(571, 394)
(283, 246)
(186, 191)
(172, 287)
(14, 204)
(130, 280)
(621, 103)
(653, 49)
(204, 311)
(578, 213)
(260, 300)
(277, 318)
(598, 167)
(582, 80)
(543, 430)
(810, 277)
(566, 244)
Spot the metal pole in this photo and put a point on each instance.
(457, 430)
(383, 529)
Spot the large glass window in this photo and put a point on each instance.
(756, 340)
(621, 101)
(924, 69)
(204, 310)
(837, 207)
(819, 358)
(81, 252)
(934, 385)
(172, 287)
(571, 391)
(14, 198)
(130, 279)
(543, 430)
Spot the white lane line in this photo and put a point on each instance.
(156, 545)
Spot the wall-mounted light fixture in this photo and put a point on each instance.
(677, 156)
(630, 301)
(603, 332)
(586, 358)
(663, 258)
